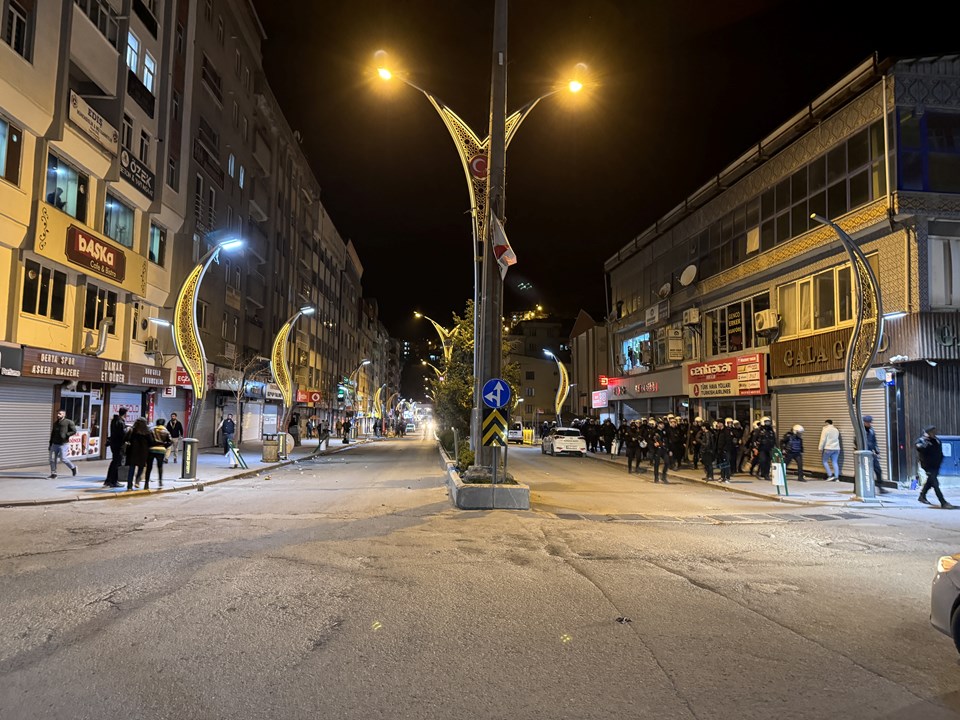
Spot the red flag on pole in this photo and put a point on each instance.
(501, 248)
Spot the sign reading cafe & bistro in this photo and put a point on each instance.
(92, 253)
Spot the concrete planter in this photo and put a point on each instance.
(484, 496)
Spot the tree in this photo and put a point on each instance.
(246, 368)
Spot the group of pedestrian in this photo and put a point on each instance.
(140, 447)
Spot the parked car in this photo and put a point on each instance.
(563, 440)
(410, 428)
(515, 433)
(945, 598)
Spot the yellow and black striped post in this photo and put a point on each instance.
(493, 427)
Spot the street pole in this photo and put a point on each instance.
(490, 313)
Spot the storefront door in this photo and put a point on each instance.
(85, 408)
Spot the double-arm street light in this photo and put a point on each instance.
(483, 161)
(186, 339)
(562, 389)
(280, 367)
(434, 368)
(446, 336)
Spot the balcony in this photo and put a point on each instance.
(256, 290)
(139, 93)
(262, 153)
(259, 199)
(256, 242)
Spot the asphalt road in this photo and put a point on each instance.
(349, 587)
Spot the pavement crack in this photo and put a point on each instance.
(108, 597)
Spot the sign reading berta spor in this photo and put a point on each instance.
(50, 364)
(740, 375)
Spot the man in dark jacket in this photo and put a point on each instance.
(766, 443)
(725, 448)
(707, 443)
(175, 428)
(930, 451)
(60, 433)
(631, 439)
(873, 447)
(661, 454)
(118, 429)
(793, 450)
(608, 431)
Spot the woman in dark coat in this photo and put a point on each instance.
(139, 440)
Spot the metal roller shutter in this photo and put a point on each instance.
(25, 416)
(132, 401)
(252, 412)
(810, 409)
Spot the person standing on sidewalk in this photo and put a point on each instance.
(175, 428)
(631, 439)
(830, 449)
(116, 440)
(873, 447)
(766, 442)
(227, 428)
(726, 448)
(693, 440)
(160, 441)
(63, 428)
(707, 440)
(930, 450)
(138, 442)
(608, 431)
(661, 454)
(793, 450)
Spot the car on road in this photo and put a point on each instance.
(945, 598)
(562, 440)
(410, 428)
(515, 433)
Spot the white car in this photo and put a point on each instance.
(515, 433)
(563, 440)
(945, 598)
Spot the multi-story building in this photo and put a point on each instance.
(86, 210)
(590, 368)
(739, 304)
(539, 374)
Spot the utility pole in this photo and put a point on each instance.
(491, 341)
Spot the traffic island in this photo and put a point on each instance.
(474, 491)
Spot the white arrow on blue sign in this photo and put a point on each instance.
(495, 393)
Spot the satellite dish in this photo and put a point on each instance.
(664, 290)
(688, 275)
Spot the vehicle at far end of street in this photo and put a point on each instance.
(515, 433)
(945, 598)
(410, 428)
(562, 440)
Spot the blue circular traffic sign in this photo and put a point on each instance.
(495, 393)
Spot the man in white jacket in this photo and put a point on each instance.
(830, 448)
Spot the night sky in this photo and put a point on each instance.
(678, 90)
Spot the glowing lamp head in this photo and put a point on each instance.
(160, 321)
(384, 73)
(231, 244)
(309, 310)
(575, 86)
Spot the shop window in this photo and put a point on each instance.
(66, 188)
(11, 142)
(157, 247)
(44, 291)
(98, 305)
(118, 221)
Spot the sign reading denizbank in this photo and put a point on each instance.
(94, 254)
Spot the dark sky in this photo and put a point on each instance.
(679, 90)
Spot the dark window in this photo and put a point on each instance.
(44, 291)
(860, 188)
(783, 227)
(817, 174)
(836, 163)
(818, 204)
(11, 141)
(99, 304)
(837, 199)
(783, 195)
(529, 375)
(16, 28)
(798, 184)
(799, 218)
(858, 149)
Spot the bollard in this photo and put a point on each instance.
(188, 470)
(863, 480)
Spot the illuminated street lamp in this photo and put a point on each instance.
(475, 156)
(186, 339)
(562, 389)
(446, 336)
(435, 369)
(280, 367)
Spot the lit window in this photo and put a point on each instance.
(149, 71)
(241, 177)
(133, 52)
(66, 188)
(231, 163)
(157, 249)
(118, 221)
(11, 139)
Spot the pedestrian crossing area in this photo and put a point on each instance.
(726, 519)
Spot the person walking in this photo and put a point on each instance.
(930, 451)
(608, 431)
(63, 428)
(766, 442)
(138, 442)
(694, 445)
(793, 450)
(661, 454)
(873, 447)
(829, 447)
(707, 440)
(116, 440)
(725, 449)
(631, 440)
(160, 441)
(346, 430)
(175, 428)
(227, 429)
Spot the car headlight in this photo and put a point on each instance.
(945, 563)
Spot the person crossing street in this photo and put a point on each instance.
(63, 428)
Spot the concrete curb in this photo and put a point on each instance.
(198, 485)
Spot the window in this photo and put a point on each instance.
(244, 129)
(118, 221)
(175, 104)
(11, 140)
(157, 246)
(103, 17)
(44, 291)
(246, 79)
(66, 188)
(149, 72)
(202, 315)
(135, 325)
(133, 52)
(241, 177)
(16, 31)
(211, 207)
(126, 132)
(224, 325)
(220, 30)
(944, 264)
(236, 63)
(144, 148)
(820, 302)
(229, 215)
(173, 174)
(178, 41)
(236, 114)
(231, 164)
(208, 10)
(528, 391)
(529, 375)
(211, 79)
(99, 304)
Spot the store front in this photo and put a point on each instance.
(26, 405)
(654, 393)
(730, 387)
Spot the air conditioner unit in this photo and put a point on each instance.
(151, 345)
(766, 321)
(691, 316)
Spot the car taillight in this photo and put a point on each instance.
(945, 563)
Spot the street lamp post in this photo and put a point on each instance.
(280, 369)
(355, 383)
(434, 368)
(562, 389)
(186, 339)
(483, 159)
(862, 349)
(446, 336)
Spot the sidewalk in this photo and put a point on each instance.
(812, 492)
(33, 486)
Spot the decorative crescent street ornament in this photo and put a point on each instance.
(563, 389)
(279, 365)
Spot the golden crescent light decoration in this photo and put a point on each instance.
(279, 366)
(563, 389)
(377, 407)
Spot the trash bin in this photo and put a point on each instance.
(271, 448)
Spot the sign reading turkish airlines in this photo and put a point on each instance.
(599, 399)
(308, 396)
(740, 375)
(93, 254)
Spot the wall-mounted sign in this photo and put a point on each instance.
(740, 375)
(603, 380)
(824, 352)
(662, 383)
(170, 391)
(93, 124)
(309, 396)
(92, 253)
(273, 392)
(56, 365)
(11, 360)
(136, 173)
(598, 399)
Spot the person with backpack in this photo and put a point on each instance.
(792, 446)
(160, 441)
(930, 450)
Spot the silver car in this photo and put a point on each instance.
(945, 598)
